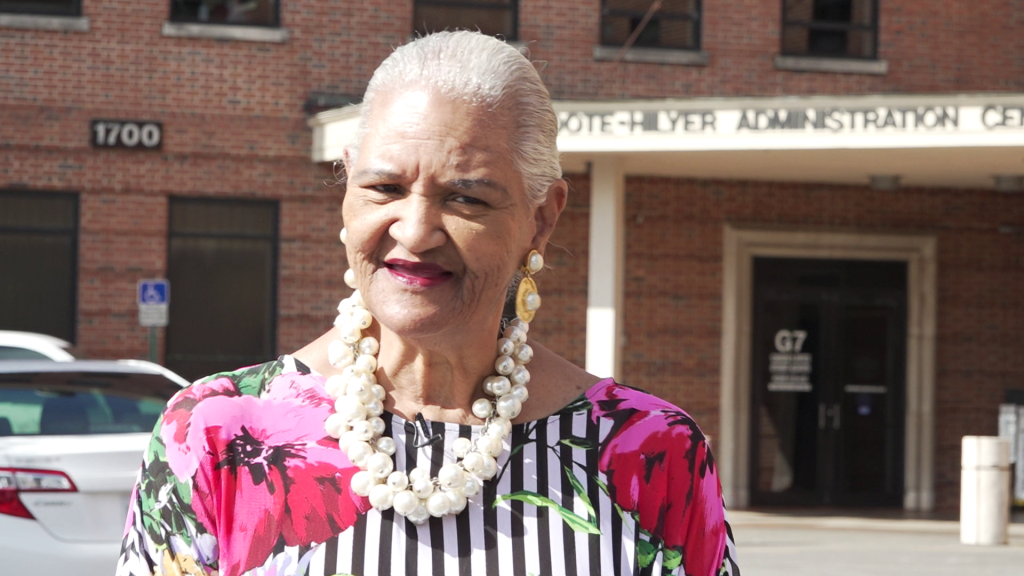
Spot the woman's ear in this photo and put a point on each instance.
(546, 213)
(343, 166)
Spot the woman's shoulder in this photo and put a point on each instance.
(640, 426)
(246, 381)
(658, 465)
(265, 398)
(627, 404)
(246, 390)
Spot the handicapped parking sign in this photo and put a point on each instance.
(153, 291)
(153, 298)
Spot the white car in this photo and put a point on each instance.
(72, 436)
(16, 345)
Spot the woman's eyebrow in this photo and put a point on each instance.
(377, 173)
(473, 183)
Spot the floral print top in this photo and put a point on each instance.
(241, 479)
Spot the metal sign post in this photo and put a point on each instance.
(154, 297)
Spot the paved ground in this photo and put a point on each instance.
(781, 544)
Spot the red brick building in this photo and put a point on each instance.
(801, 220)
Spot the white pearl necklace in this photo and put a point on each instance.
(359, 428)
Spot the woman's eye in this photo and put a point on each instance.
(469, 200)
(386, 188)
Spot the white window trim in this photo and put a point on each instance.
(45, 22)
(653, 55)
(225, 32)
(833, 65)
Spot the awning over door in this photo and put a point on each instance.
(961, 141)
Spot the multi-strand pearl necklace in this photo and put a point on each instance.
(359, 428)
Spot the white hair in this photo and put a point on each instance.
(482, 71)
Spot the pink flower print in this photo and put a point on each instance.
(659, 466)
(301, 388)
(177, 419)
(268, 473)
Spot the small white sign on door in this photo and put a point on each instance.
(789, 366)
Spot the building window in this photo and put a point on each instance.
(492, 17)
(830, 28)
(674, 24)
(222, 267)
(245, 12)
(38, 262)
(42, 7)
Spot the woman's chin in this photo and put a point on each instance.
(416, 319)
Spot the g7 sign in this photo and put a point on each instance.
(135, 134)
(790, 340)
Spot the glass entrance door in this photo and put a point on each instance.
(828, 382)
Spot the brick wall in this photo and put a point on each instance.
(235, 127)
(931, 47)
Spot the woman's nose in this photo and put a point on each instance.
(418, 226)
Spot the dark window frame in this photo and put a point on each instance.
(275, 242)
(73, 232)
(697, 17)
(180, 20)
(512, 6)
(831, 26)
(29, 8)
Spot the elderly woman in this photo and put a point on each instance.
(429, 432)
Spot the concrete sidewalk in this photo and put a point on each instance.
(795, 544)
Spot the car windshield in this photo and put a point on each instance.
(83, 404)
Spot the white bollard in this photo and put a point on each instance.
(985, 490)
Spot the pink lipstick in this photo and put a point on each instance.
(421, 274)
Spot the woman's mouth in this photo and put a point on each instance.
(421, 274)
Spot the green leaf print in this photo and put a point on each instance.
(581, 404)
(164, 498)
(671, 558)
(577, 443)
(618, 509)
(645, 552)
(515, 450)
(252, 381)
(156, 456)
(571, 518)
(577, 486)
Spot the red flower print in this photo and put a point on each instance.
(659, 466)
(268, 472)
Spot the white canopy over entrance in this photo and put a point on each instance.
(960, 141)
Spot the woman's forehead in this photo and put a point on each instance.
(424, 122)
(422, 109)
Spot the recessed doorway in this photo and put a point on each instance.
(734, 445)
(828, 382)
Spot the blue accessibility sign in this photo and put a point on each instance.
(156, 292)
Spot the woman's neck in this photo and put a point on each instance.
(439, 377)
(419, 390)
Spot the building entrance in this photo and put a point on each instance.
(828, 382)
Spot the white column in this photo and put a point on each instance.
(605, 274)
(985, 490)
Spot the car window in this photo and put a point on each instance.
(15, 353)
(51, 411)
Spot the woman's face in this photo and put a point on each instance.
(437, 218)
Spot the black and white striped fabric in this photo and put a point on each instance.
(510, 538)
